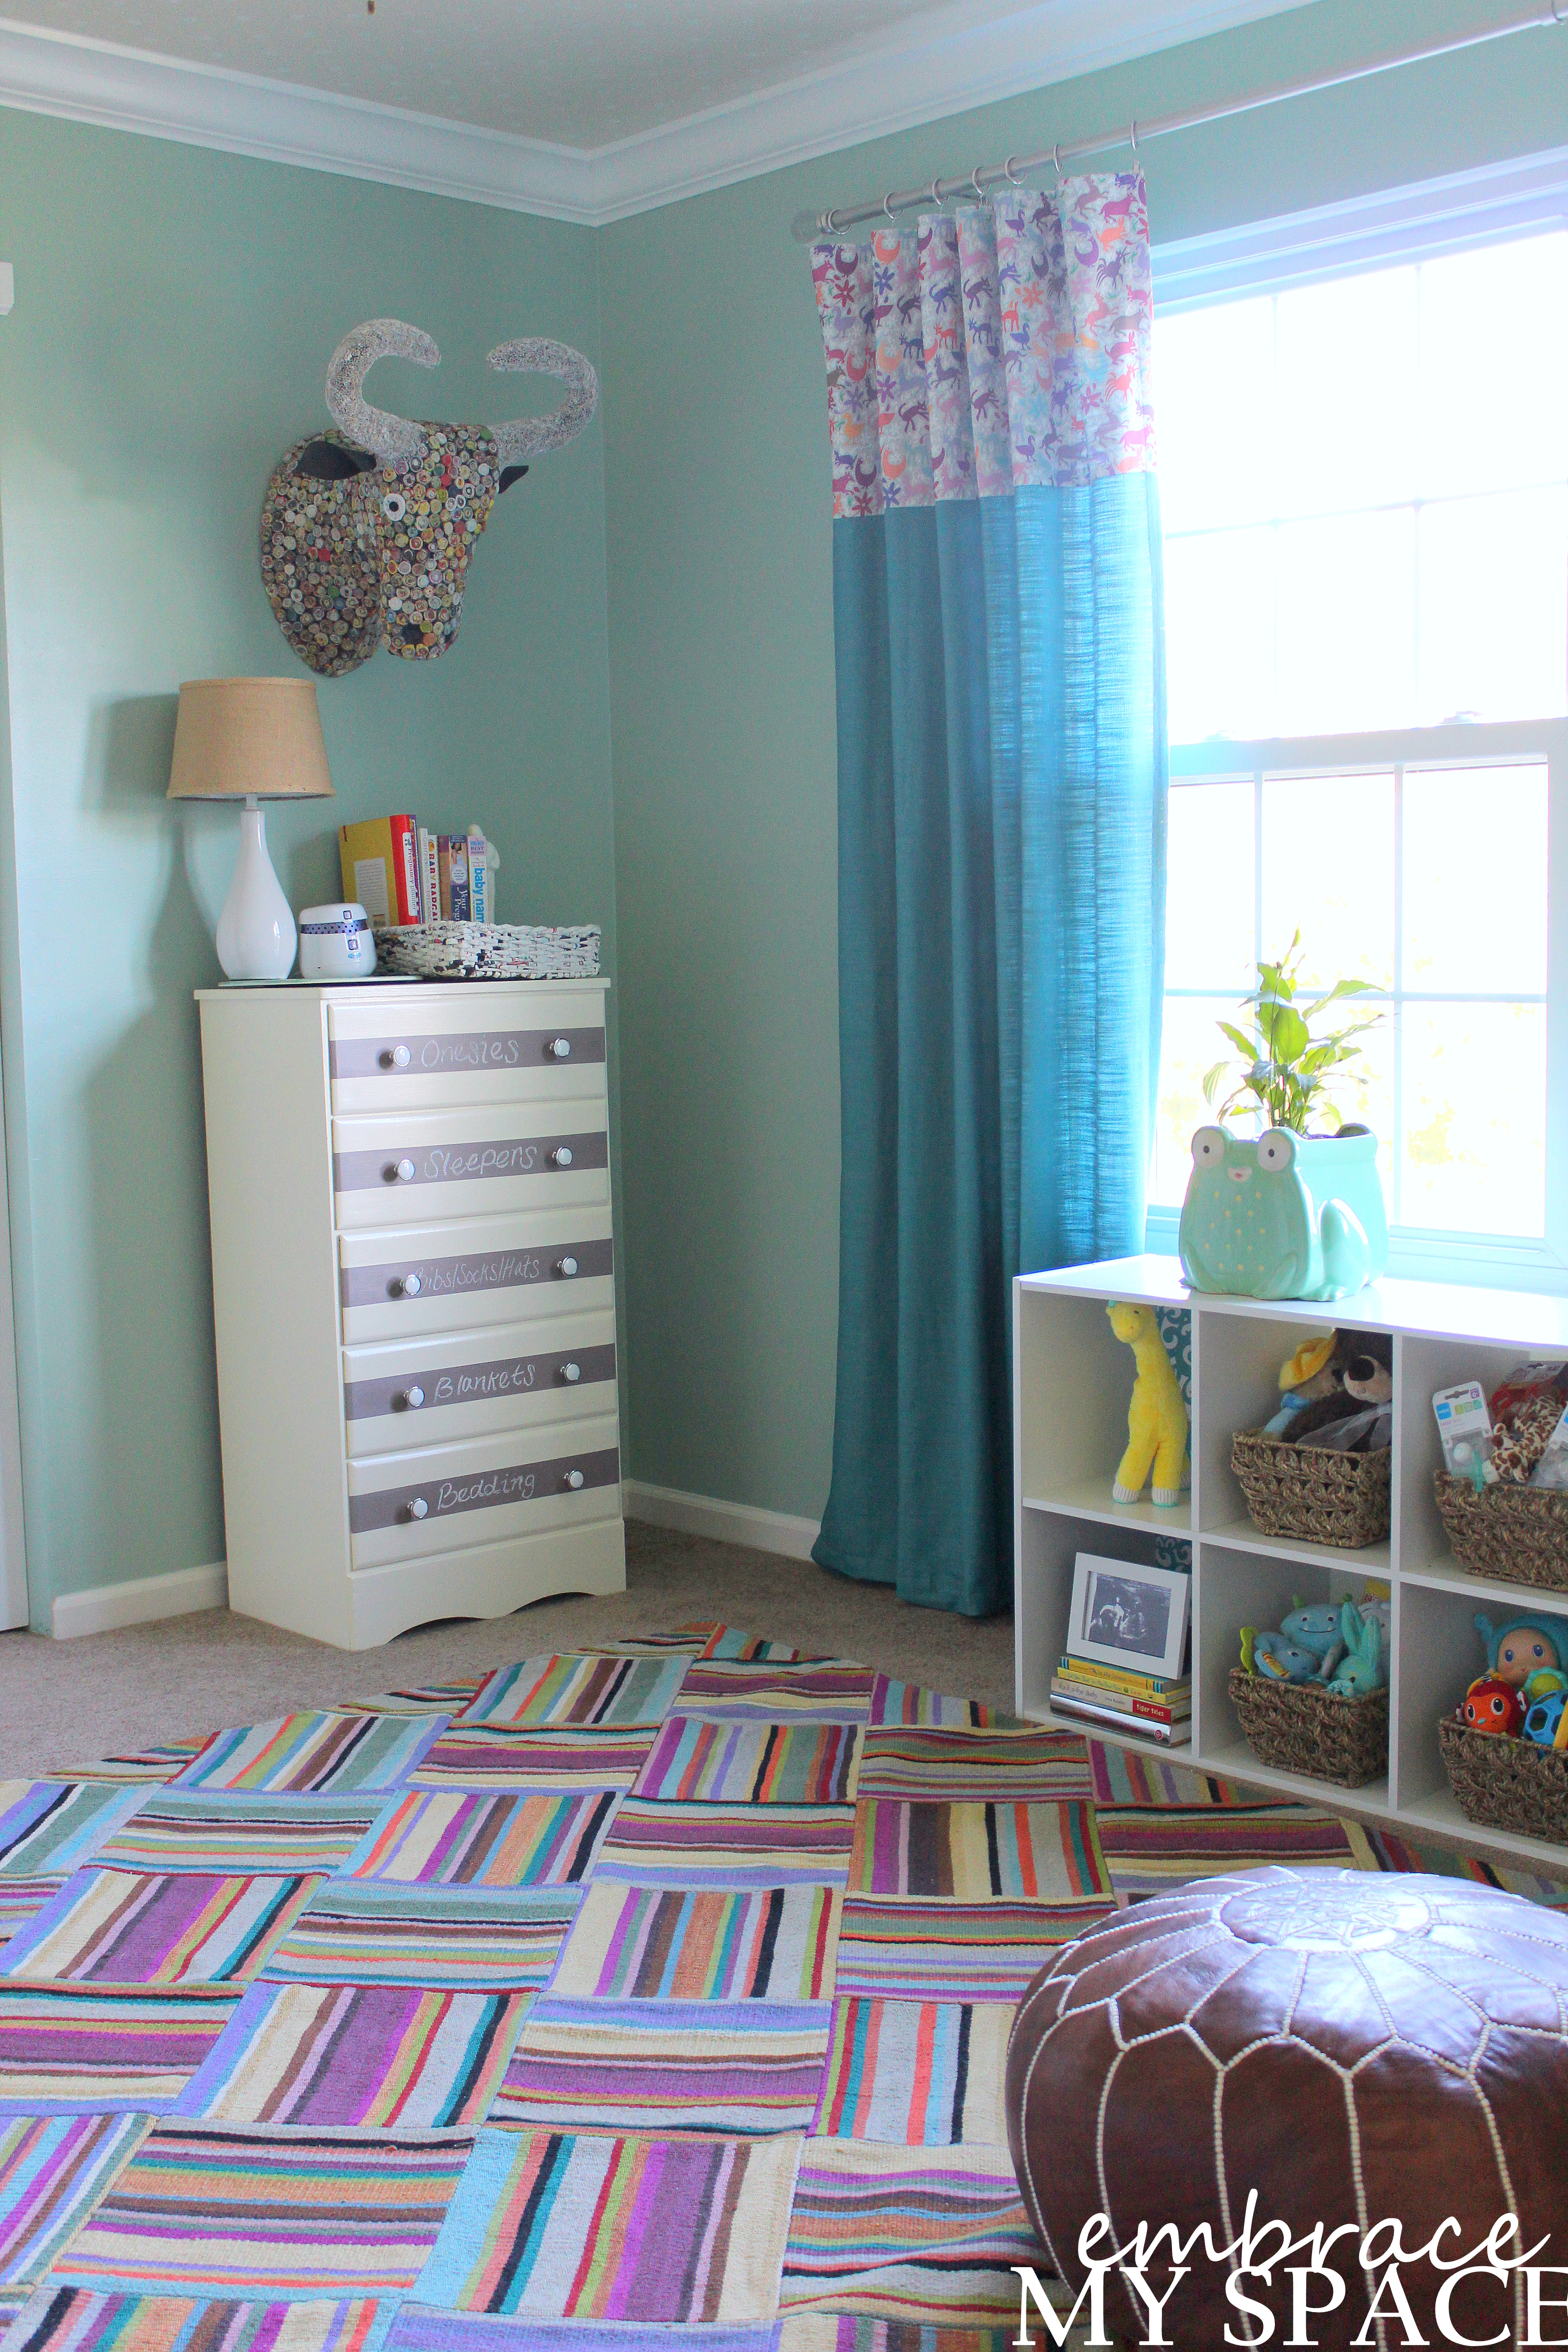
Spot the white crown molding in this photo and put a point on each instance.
(951, 64)
(1444, 215)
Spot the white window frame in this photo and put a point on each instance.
(1451, 215)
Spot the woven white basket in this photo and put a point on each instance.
(489, 950)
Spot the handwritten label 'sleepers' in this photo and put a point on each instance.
(522, 1155)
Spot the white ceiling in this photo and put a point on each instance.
(586, 108)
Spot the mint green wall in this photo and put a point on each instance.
(721, 668)
(174, 313)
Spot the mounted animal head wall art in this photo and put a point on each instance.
(366, 531)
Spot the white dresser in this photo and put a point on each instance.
(415, 1298)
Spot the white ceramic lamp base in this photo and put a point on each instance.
(256, 933)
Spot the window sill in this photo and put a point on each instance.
(1494, 1262)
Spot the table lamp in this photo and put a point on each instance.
(251, 739)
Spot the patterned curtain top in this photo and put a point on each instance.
(1001, 346)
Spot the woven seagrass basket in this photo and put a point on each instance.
(1506, 1784)
(488, 952)
(1302, 1727)
(1516, 1533)
(1307, 1490)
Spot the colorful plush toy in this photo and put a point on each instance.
(1365, 1666)
(1523, 1646)
(1317, 1627)
(1278, 1659)
(1494, 1706)
(1156, 1417)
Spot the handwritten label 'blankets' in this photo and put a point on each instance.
(753, 1763)
(655, 1943)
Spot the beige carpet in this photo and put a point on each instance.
(62, 1703)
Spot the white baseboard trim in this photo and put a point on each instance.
(735, 1523)
(106, 1607)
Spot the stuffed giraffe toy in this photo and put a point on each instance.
(1156, 1418)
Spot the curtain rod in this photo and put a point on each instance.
(807, 225)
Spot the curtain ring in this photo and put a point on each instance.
(1007, 173)
(1133, 135)
(1056, 161)
(932, 190)
(975, 184)
(887, 207)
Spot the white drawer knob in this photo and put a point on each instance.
(412, 1399)
(418, 1507)
(566, 1266)
(561, 1049)
(570, 1372)
(409, 1285)
(562, 1155)
(397, 1059)
(574, 1479)
(403, 1174)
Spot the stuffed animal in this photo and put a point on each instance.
(1518, 1445)
(1156, 1417)
(1493, 1706)
(1308, 1376)
(1365, 1666)
(1281, 1661)
(1368, 1371)
(1523, 1646)
(1317, 1628)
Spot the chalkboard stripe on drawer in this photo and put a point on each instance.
(485, 1052)
(482, 1383)
(483, 1490)
(474, 1270)
(470, 1164)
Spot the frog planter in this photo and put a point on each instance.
(1284, 1217)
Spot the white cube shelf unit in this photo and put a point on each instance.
(1072, 1379)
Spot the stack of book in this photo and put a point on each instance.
(1122, 1699)
(399, 873)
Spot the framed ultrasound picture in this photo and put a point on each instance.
(1124, 1614)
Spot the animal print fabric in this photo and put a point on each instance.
(993, 348)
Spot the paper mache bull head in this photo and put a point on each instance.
(366, 532)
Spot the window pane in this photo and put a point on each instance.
(1347, 392)
(1327, 872)
(1191, 1047)
(1215, 454)
(1474, 1145)
(1209, 901)
(1478, 429)
(1475, 879)
(1220, 635)
(1494, 607)
(1347, 624)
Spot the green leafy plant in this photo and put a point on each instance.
(1292, 1062)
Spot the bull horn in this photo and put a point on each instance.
(525, 437)
(375, 428)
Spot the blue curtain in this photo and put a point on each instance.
(1002, 779)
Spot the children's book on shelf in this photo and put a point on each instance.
(400, 872)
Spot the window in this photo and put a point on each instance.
(1366, 580)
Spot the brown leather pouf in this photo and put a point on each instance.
(1357, 2047)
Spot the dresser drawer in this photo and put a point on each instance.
(430, 1392)
(478, 1271)
(477, 1160)
(383, 1054)
(439, 1498)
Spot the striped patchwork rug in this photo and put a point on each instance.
(652, 1999)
